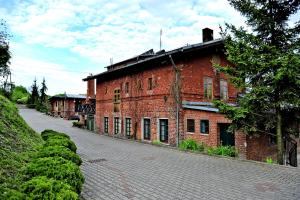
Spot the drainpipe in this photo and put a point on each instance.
(176, 99)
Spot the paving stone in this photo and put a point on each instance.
(132, 170)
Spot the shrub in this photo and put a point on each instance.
(157, 142)
(59, 151)
(11, 194)
(223, 151)
(41, 187)
(191, 144)
(57, 168)
(31, 105)
(269, 160)
(61, 141)
(49, 133)
(23, 100)
(78, 124)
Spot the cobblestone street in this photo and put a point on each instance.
(121, 169)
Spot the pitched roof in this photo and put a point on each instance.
(68, 96)
(160, 55)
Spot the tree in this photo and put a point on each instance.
(19, 93)
(43, 91)
(34, 97)
(4, 56)
(266, 67)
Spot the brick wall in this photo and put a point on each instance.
(159, 102)
(139, 102)
(90, 89)
(259, 148)
(213, 137)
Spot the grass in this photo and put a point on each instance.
(17, 140)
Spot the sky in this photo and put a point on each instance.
(63, 41)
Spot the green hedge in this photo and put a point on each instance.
(59, 151)
(61, 141)
(57, 168)
(50, 133)
(41, 187)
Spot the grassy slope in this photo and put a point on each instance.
(16, 139)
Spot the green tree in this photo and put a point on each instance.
(266, 67)
(34, 97)
(4, 56)
(43, 91)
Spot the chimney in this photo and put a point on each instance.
(207, 34)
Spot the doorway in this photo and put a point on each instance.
(226, 137)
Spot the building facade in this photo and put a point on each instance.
(66, 106)
(167, 96)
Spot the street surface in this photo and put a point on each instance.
(122, 169)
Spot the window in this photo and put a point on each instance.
(163, 130)
(117, 125)
(117, 96)
(208, 88)
(190, 125)
(147, 133)
(204, 126)
(127, 87)
(150, 84)
(128, 126)
(56, 104)
(140, 85)
(223, 89)
(105, 124)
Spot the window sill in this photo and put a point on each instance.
(204, 134)
(190, 133)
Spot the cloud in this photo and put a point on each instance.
(102, 29)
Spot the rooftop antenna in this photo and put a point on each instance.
(160, 34)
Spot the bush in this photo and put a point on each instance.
(61, 141)
(49, 133)
(41, 187)
(269, 160)
(157, 142)
(59, 151)
(31, 105)
(42, 107)
(57, 168)
(78, 124)
(11, 194)
(23, 100)
(223, 151)
(191, 144)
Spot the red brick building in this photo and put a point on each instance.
(167, 96)
(66, 106)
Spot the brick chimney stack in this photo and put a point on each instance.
(90, 89)
(207, 34)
